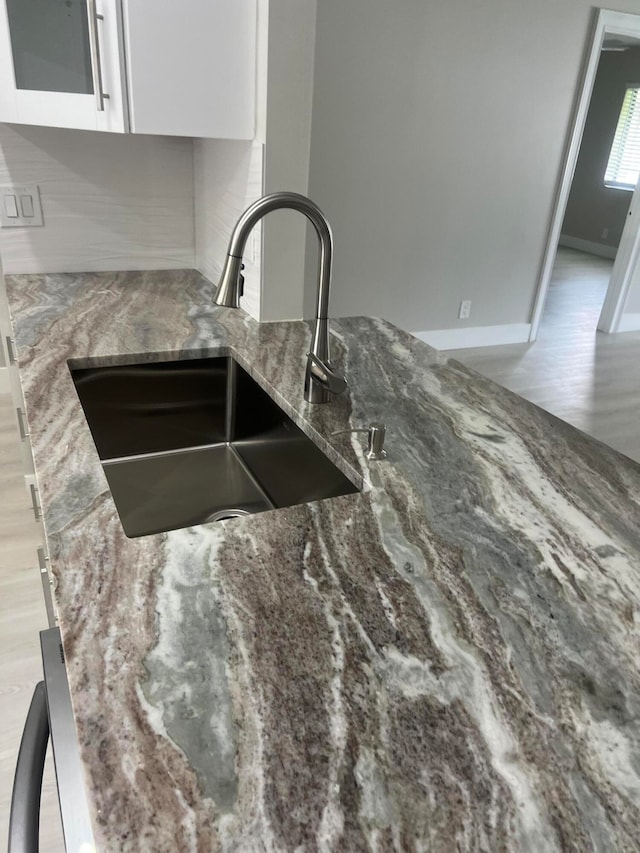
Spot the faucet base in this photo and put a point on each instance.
(321, 380)
(315, 393)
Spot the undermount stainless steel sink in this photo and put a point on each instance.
(186, 442)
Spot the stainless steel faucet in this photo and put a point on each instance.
(321, 381)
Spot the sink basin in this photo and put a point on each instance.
(187, 442)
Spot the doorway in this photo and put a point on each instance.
(579, 282)
(591, 218)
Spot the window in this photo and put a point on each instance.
(623, 167)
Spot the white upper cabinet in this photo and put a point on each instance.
(191, 67)
(49, 64)
(168, 67)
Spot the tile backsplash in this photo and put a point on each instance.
(110, 201)
(227, 179)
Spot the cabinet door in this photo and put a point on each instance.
(60, 63)
(191, 67)
(15, 386)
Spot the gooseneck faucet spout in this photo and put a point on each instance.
(321, 381)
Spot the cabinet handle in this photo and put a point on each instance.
(34, 500)
(10, 350)
(46, 586)
(42, 559)
(96, 59)
(48, 600)
(24, 432)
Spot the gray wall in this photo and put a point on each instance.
(592, 206)
(436, 147)
(286, 159)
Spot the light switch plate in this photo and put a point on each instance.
(23, 199)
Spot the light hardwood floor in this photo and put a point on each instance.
(22, 616)
(584, 377)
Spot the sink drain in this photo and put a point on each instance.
(225, 514)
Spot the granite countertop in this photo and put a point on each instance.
(446, 661)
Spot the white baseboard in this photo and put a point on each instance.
(476, 336)
(589, 246)
(5, 386)
(629, 323)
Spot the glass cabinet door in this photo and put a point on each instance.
(50, 45)
(62, 64)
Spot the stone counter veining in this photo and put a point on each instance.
(446, 661)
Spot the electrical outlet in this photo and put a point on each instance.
(605, 233)
(465, 309)
(20, 205)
